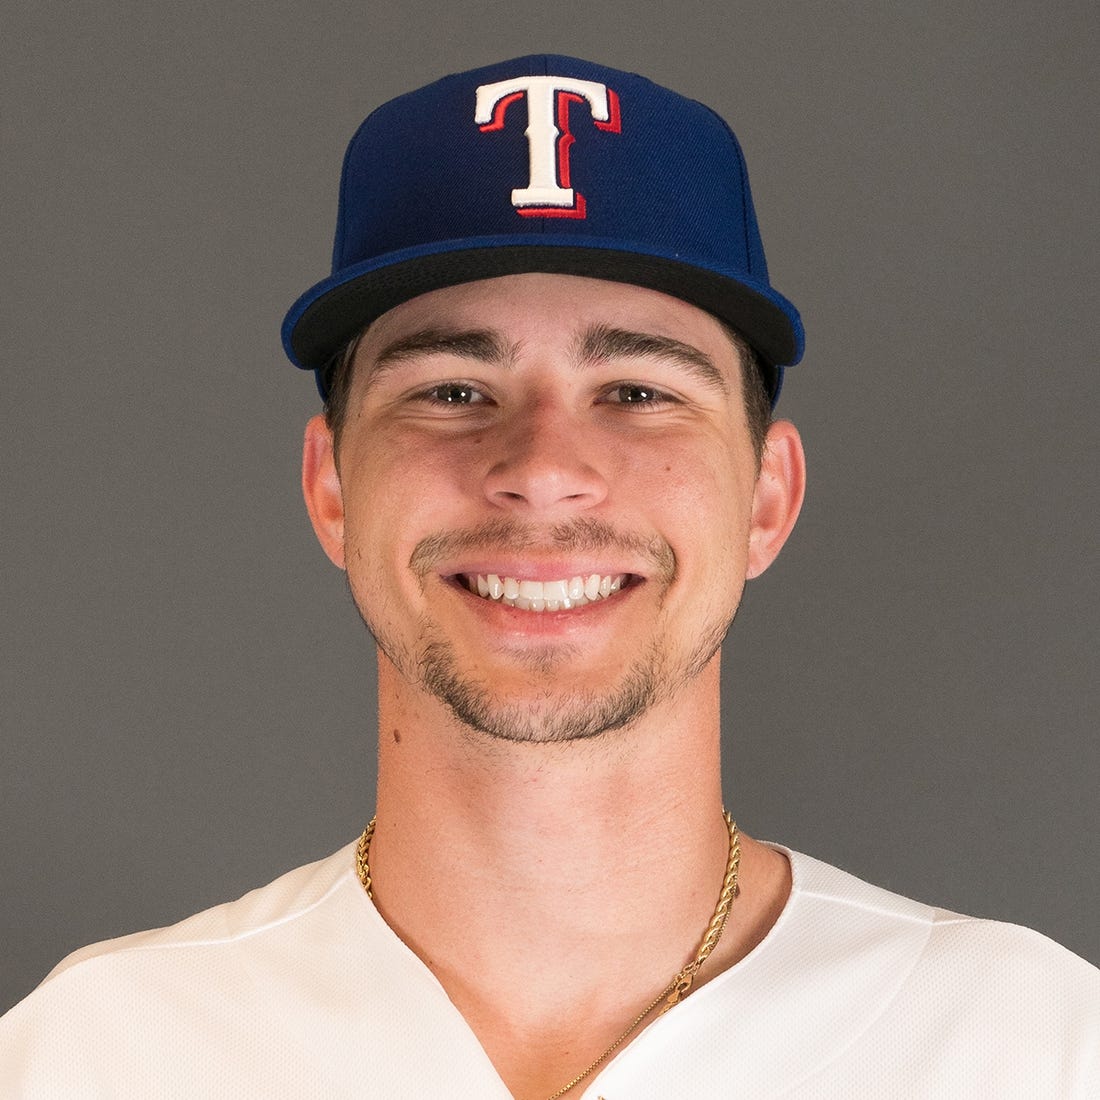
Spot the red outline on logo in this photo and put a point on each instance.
(614, 122)
(576, 211)
(499, 110)
(565, 141)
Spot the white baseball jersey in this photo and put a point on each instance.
(300, 989)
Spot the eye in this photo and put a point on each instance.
(454, 393)
(636, 394)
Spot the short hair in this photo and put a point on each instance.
(336, 380)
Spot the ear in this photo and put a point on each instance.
(780, 487)
(321, 488)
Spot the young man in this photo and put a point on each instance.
(548, 350)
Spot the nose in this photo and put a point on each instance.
(545, 465)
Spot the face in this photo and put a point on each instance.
(547, 501)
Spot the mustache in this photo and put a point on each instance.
(581, 535)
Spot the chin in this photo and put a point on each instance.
(537, 700)
(544, 714)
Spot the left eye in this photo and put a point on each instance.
(635, 393)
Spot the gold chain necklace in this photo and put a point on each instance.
(681, 984)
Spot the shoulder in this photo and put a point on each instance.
(278, 905)
(209, 973)
(977, 992)
(936, 938)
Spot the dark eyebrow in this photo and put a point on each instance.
(480, 344)
(601, 342)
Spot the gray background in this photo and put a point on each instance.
(187, 693)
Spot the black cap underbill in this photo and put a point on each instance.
(326, 327)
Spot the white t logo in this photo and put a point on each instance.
(548, 193)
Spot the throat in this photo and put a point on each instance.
(530, 1032)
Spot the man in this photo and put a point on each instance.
(548, 351)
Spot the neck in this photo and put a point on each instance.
(577, 878)
(630, 815)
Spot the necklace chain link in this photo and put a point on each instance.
(681, 984)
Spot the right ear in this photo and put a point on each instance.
(321, 488)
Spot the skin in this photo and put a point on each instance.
(549, 836)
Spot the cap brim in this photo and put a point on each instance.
(326, 317)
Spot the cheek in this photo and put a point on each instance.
(701, 498)
(699, 481)
(394, 494)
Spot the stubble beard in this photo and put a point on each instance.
(554, 713)
(554, 710)
(551, 714)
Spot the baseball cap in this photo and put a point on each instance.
(544, 164)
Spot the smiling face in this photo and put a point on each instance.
(547, 500)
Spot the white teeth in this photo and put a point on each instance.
(555, 590)
(560, 595)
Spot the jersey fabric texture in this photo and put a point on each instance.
(300, 989)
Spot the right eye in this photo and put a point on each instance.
(453, 393)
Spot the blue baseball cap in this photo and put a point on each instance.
(548, 164)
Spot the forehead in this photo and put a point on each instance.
(549, 309)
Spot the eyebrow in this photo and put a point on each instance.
(597, 344)
(602, 342)
(482, 345)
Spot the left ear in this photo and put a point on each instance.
(777, 499)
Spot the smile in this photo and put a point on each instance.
(562, 595)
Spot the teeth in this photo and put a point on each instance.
(555, 590)
(560, 595)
